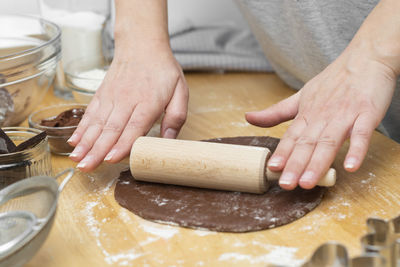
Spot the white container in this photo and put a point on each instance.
(83, 25)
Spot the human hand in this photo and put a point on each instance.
(136, 91)
(347, 99)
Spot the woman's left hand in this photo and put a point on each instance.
(347, 99)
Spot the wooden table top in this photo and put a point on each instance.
(91, 229)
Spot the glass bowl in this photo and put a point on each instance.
(29, 51)
(57, 136)
(30, 162)
(84, 76)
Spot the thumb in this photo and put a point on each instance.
(282, 111)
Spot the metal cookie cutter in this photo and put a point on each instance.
(329, 254)
(332, 254)
(27, 212)
(381, 248)
(383, 238)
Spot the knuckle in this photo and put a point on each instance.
(362, 133)
(306, 141)
(87, 115)
(112, 127)
(367, 104)
(174, 73)
(328, 141)
(290, 136)
(98, 122)
(178, 117)
(136, 124)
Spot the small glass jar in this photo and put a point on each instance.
(30, 162)
(84, 76)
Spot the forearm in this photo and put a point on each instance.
(379, 35)
(140, 25)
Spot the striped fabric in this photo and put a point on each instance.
(218, 47)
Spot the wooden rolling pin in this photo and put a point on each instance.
(206, 165)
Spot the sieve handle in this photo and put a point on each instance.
(70, 172)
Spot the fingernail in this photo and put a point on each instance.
(72, 138)
(110, 155)
(287, 178)
(76, 152)
(307, 177)
(84, 162)
(81, 165)
(170, 133)
(275, 161)
(350, 163)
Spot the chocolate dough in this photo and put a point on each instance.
(70, 117)
(221, 211)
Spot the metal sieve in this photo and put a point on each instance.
(27, 211)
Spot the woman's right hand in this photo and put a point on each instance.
(141, 84)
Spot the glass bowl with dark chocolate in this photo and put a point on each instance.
(24, 152)
(59, 122)
(30, 49)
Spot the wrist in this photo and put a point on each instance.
(379, 35)
(387, 54)
(141, 26)
(364, 50)
(129, 44)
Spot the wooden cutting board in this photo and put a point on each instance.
(91, 229)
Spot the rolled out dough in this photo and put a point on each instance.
(215, 210)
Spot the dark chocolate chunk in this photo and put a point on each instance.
(6, 144)
(67, 118)
(3, 147)
(31, 142)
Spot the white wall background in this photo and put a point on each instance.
(198, 11)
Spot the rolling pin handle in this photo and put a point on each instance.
(329, 179)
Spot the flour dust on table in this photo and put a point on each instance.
(216, 210)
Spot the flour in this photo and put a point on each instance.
(91, 222)
(280, 256)
(163, 231)
(96, 223)
(125, 257)
(161, 201)
(81, 32)
(121, 259)
(201, 110)
(204, 232)
(89, 80)
(368, 183)
(148, 241)
(239, 124)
